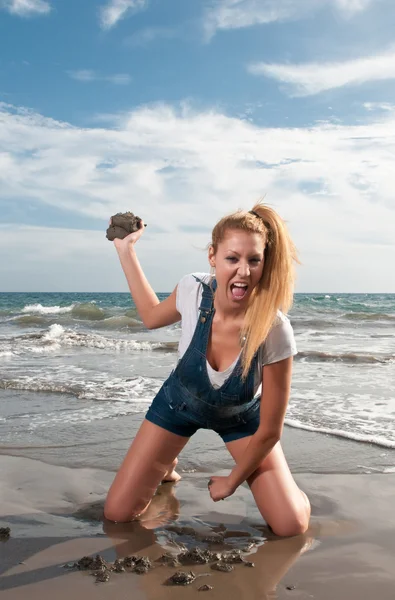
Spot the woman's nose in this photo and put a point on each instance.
(244, 269)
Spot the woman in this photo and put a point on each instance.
(235, 339)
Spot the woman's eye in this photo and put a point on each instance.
(231, 258)
(256, 260)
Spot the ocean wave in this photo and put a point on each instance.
(365, 316)
(357, 437)
(47, 310)
(322, 298)
(347, 357)
(106, 389)
(39, 386)
(27, 320)
(119, 322)
(88, 311)
(76, 314)
(58, 336)
(300, 323)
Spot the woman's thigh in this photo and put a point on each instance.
(147, 460)
(279, 500)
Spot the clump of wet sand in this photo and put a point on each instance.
(5, 533)
(220, 561)
(123, 224)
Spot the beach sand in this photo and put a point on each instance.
(55, 517)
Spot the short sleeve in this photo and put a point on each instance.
(280, 342)
(188, 291)
(183, 288)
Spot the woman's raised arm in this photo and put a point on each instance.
(153, 313)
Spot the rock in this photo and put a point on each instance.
(142, 565)
(88, 563)
(233, 556)
(181, 578)
(205, 588)
(249, 564)
(169, 559)
(97, 572)
(130, 561)
(122, 224)
(118, 567)
(102, 576)
(198, 556)
(290, 587)
(5, 533)
(221, 566)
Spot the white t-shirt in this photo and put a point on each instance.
(279, 344)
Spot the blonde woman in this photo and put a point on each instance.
(233, 374)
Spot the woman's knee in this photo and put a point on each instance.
(296, 522)
(117, 511)
(290, 527)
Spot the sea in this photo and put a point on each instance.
(75, 367)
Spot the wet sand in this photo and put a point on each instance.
(55, 518)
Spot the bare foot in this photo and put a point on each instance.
(171, 474)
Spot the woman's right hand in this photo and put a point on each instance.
(130, 239)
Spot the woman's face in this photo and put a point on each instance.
(238, 265)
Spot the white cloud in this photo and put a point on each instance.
(333, 183)
(87, 76)
(234, 14)
(26, 8)
(306, 79)
(353, 6)
(377, 106)
(115, 10)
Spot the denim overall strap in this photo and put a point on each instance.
(206, 307)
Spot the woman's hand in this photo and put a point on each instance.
(220, 488)
(130, 239)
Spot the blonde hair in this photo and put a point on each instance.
(275, 289)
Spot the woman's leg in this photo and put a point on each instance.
(149, 457)
(281, 503)
(172, 474)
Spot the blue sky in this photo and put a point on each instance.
(183, 111)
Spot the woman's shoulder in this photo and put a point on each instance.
(281, 331)
(188, 290)
(280, 342)
(192, 280)
(281, 319)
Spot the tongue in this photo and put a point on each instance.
(238, 292)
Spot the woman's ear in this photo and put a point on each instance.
(211, 256)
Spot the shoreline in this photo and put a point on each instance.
(306, 452)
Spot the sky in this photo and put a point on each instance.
(183, 111)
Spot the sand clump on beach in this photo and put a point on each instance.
(102, 569)
(123, 224)
(220, 561)
(5, 533)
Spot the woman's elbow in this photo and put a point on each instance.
(266, 436)
(148, 321)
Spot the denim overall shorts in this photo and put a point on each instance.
(187, 401)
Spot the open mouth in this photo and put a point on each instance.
(238, 290)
